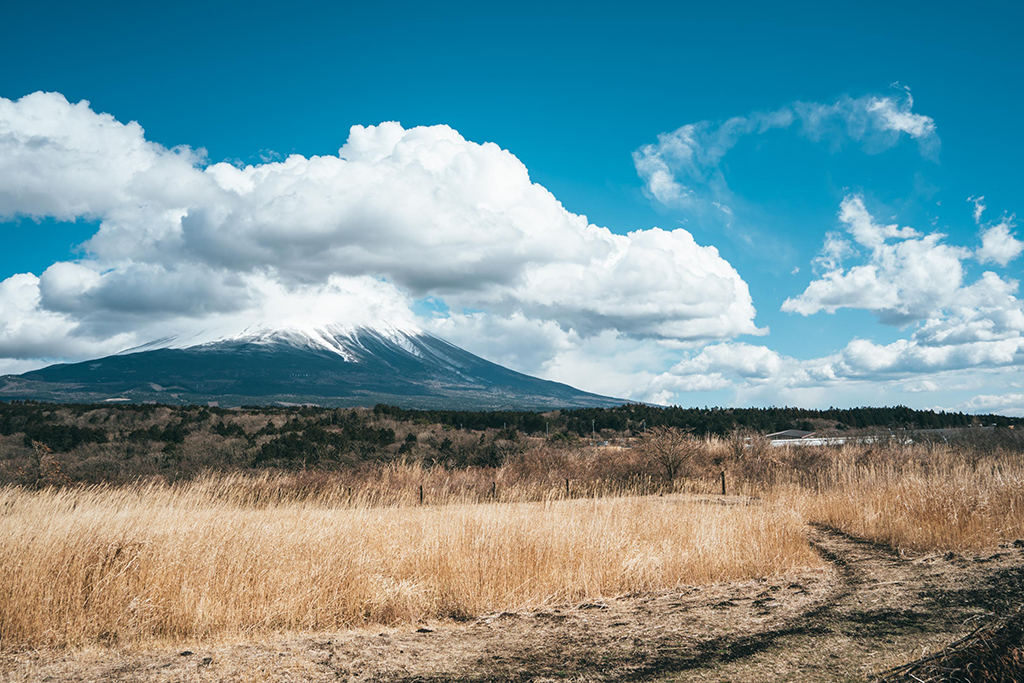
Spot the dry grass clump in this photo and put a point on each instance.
(133, 564)
(992, 653)
(932, 499)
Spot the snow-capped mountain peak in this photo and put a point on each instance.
(337, 338)
(332, 364)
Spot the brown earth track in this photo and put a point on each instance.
(891, 609)
(870, 610)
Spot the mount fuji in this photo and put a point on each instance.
(330, 365)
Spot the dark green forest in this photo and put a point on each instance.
(701, 421)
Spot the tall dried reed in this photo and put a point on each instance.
(225, 557)
(920, 500)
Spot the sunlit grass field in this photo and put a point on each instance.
(130, 564)
(244, 554)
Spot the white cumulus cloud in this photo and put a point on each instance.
(998, 243)
(905, 277)
(398, 214)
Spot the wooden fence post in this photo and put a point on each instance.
(566, 488)
(421, 494)
(494, 490)
(723, 482)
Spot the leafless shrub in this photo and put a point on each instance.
(671, 449)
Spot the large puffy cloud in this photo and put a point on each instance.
(30, 331)
(908, 276)
(684, 166)
(396, 215)
(442, 216)
(64, 160)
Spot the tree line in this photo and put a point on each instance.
(105, 443)
(636, 417)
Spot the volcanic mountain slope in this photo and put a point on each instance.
(328, 366)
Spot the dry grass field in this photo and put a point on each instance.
(134, 564)
(253, 557)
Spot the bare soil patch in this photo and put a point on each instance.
(870, 610)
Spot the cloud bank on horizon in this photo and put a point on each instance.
(400, 217)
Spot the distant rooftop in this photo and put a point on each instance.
(790, 434)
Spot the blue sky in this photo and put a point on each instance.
(573, 93)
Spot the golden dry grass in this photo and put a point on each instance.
(231, 555)
(140, 563)
(923, 496)
(938, 504)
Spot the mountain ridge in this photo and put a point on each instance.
(333, 366)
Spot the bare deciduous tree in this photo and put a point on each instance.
(670, 448)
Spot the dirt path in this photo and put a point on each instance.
(869, 610)
(886, 610)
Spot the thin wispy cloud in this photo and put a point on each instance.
(683, 169)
